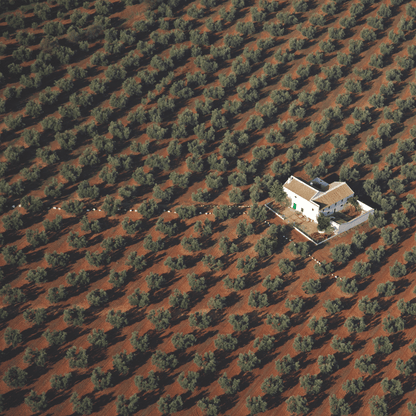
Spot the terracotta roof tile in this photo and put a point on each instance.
(300, 188)
(335, 194)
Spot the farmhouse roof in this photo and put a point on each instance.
(300, 188)
(336, 192)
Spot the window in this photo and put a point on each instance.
(312, 209)
(301, 210)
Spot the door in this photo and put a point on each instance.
(294, 206)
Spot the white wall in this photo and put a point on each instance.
(365, 207)
(320, 181)
(341, 228)
(353, 223)
(337, 207)
(334, 225)
(310, 209)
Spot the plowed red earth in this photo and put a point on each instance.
(237, 302)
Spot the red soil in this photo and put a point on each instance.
(237, 303)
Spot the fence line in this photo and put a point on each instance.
(276, 213)
(296, 228)
(306, 236)
(88, 208)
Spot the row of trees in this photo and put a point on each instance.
(328, 74)
(271, 386)
(267, 245)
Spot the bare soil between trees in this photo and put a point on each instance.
(236, 302)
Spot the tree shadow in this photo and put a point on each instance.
(184, 356)
(31, 333)
(276, 297)
(335, 320)
(408, 383)
(343, 360)
(157, 337)
(73, 332)
(228, 402)
(322, 340)
(246, 380)
(348, 303)
(401, 285)
(136, 315)
(297, 318)
(363, 283)
(12, 352)
(311, 302)
(32, 291)
(178, 316)
(101, 400)
(283, 338)
(13, 236)
(317, 400)
(34, 372)
(373, 380)
(224, 358)
(216, 316)
(399, 340)
(206, 336)
(158, 295)
(374, 322)
(267, 357)
(79, 377)
(355, 401)
(115, 336)
(14, 397)
(52, 312)
(395, 403)
(192, 401)
(233, 298)
(58, 397)
(291, 380)
(358, 344)
(95, 354)
(114, 295)
(303, 358)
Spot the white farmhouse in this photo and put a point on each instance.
(317, 197)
